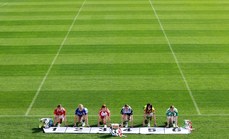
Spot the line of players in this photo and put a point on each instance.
(81, 116)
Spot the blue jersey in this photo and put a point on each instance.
(81, 113)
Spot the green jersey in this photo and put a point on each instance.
(170, 113)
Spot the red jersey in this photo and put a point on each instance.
(104, 113)
(59, 112)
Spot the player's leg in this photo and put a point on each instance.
(168, 121)
(99, 121)
(104, 120)
(85, 118)
(78, 120)
(172, 122)
(59, 120)
(65, 120)
(144, 120)
(149, 119)
(126, 120)
(108, 120)
(155, 121)
(131, 119)
(176, 121)
(56, 119)
(123, 119)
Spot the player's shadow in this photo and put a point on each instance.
(95, 125)
(37, 130)
(106, 136)
(139, 125)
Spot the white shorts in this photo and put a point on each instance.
(149, 115)
(60, 117)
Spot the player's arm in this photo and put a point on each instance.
(75, 117)
(86, 116)
(108, 112)
(154, 117)
(65, 117)
(99, 114)
(131, 112)
(75, 120)
(121, 112)
(55, 113)
(132, 118)
(176, 113)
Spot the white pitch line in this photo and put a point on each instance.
(176, 60)
(186, 115)
(54, 60)
(4, 4)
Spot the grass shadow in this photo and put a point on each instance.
(37, 130)
(138, 125)
(106, 136)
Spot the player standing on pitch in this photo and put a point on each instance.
(149, 112)
(81, 116)
(104, 115)
(59, 115)
(172, 116)
(127, 115)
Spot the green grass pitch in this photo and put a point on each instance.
(114, 52)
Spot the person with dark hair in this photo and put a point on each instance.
(127, 115)
(149, 113)
(172, 116)
(104, 115)
(59, 115)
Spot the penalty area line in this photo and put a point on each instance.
(53, 61)
(176, 60)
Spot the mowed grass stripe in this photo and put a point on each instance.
(113, 48)
(116, 69)
(78, 22)
(114, 33)
(206, 69)
(90, 69)
(74, 34)
(28, 49)
(115, 58)
(86, 41)
(19, 83)
(219, 26)
(110, 21)
(197, 2)
(185, 27)
(33, 28)
(23, 70)
(25, 59)
(122, 82)
(78, 49)
(24, 8)
(194, 7)
(209, 82)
